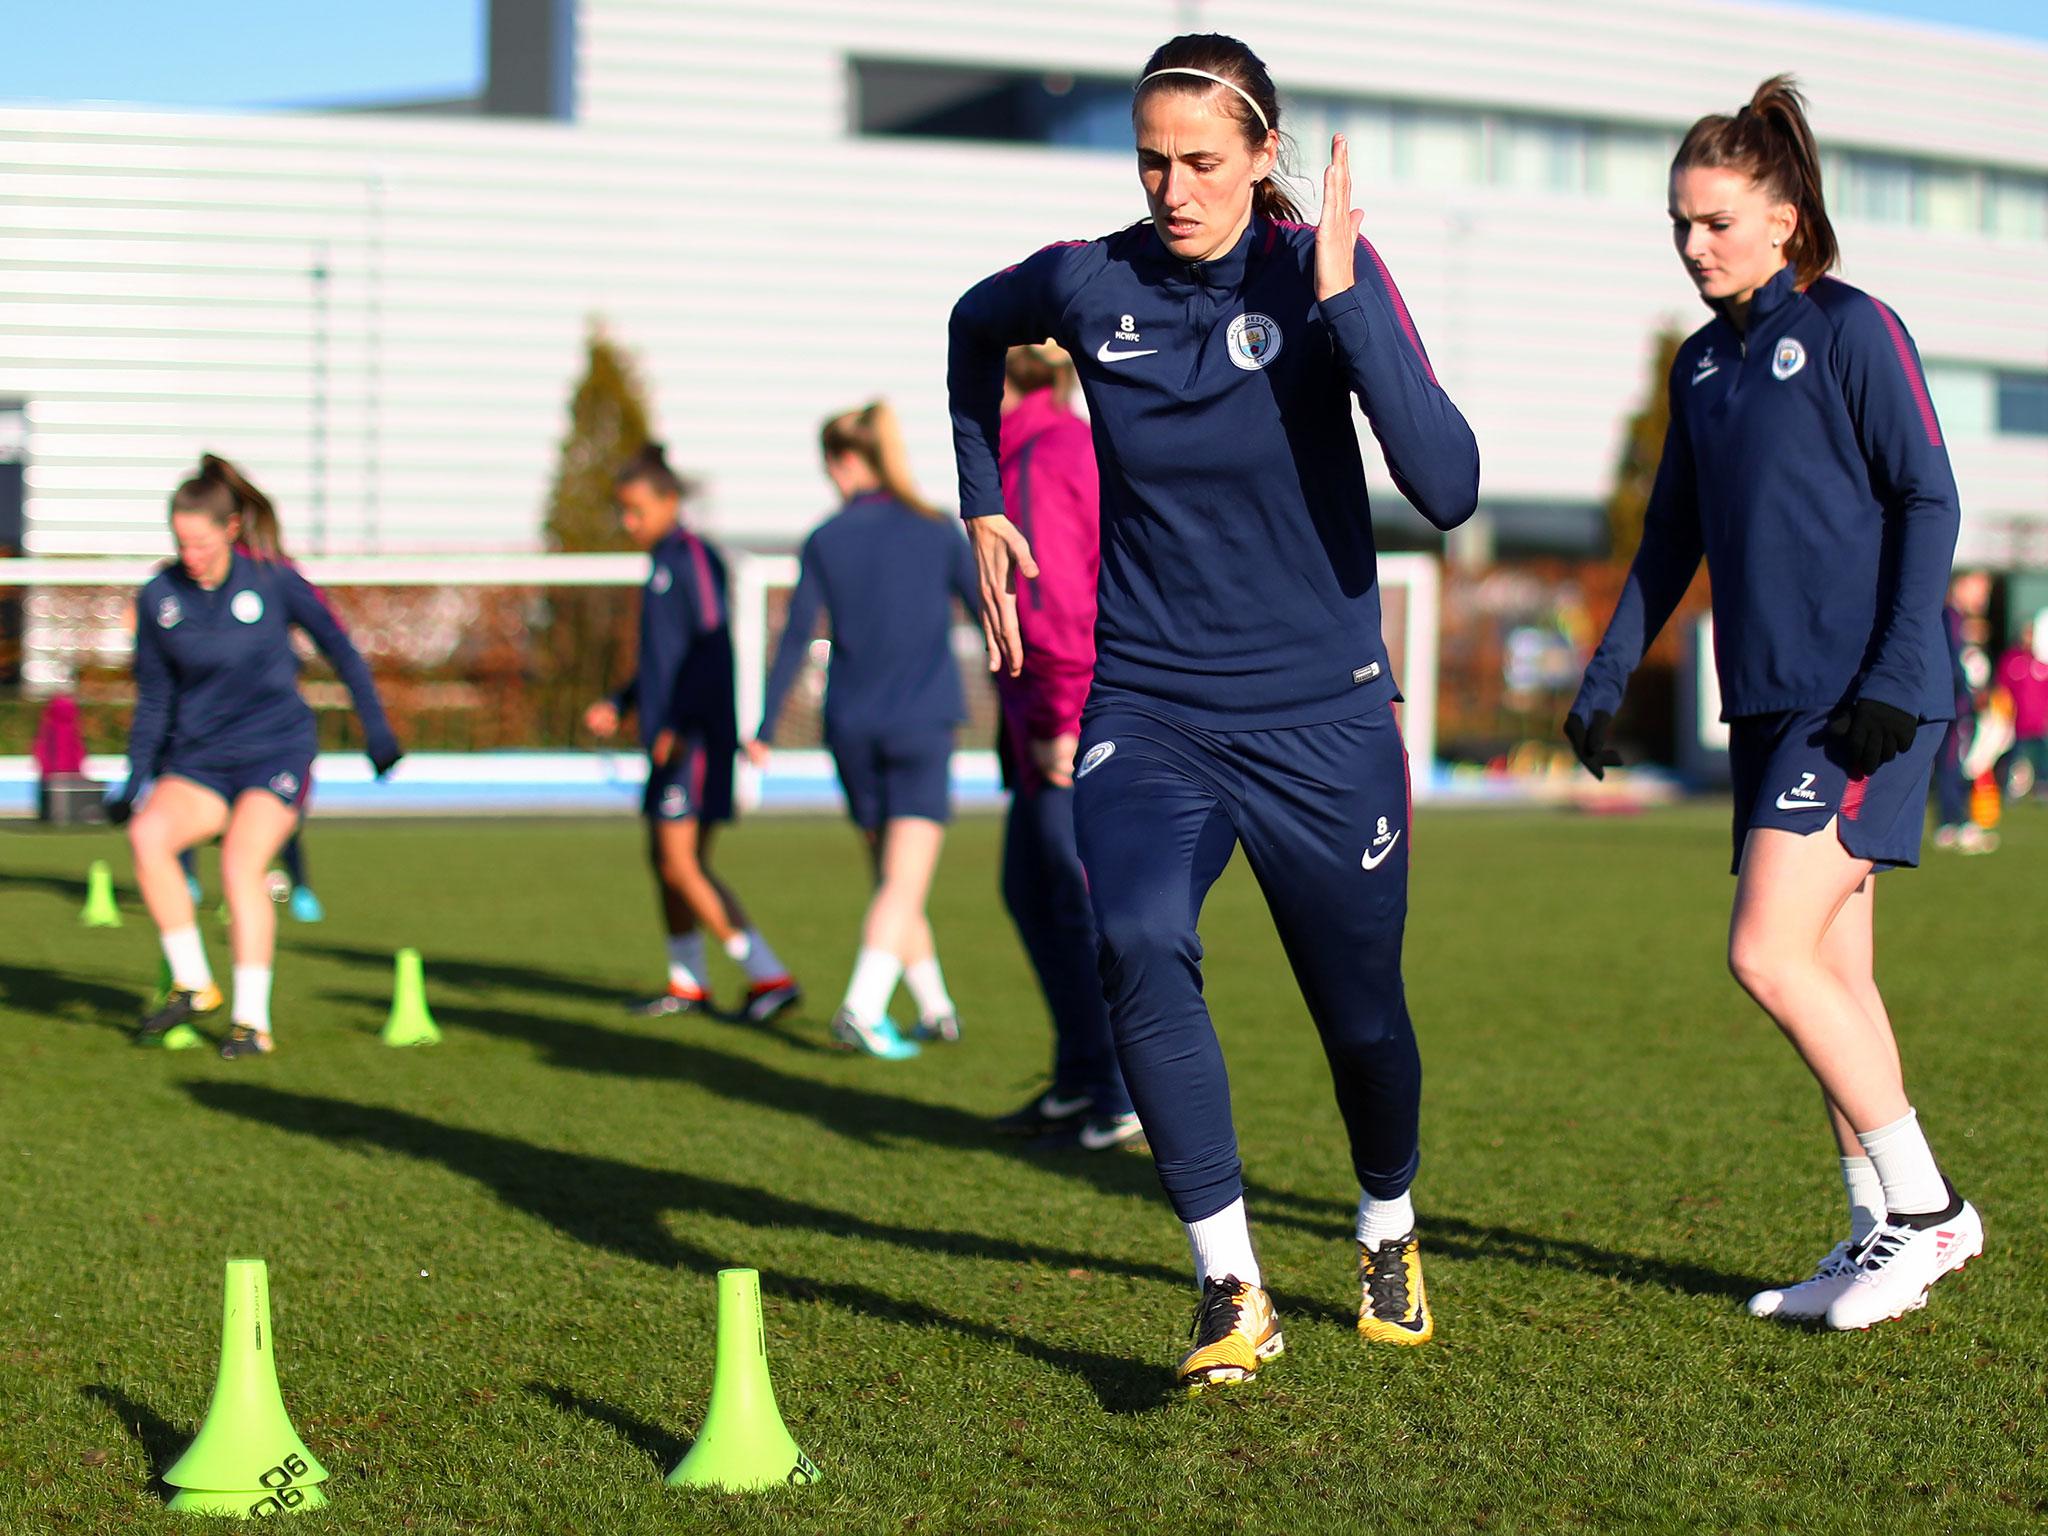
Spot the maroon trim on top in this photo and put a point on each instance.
(1400, 307)
(1914, 379)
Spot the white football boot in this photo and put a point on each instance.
(1896, 1265)
(1809, 1299)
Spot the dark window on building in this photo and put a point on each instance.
(2023, 403)
(1003, 106)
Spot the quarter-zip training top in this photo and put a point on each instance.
(216, 679)
(1238, 585)
(682, 679)
(1805, 462)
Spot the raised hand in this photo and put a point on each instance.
(1337, 229)
(1001, 555)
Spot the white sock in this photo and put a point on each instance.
(928, 985)
(186, 952)
(1222, 1245)
(874, 982)
(762, 963)
(1866, 1196)
(252, 997)
(686, 961)
(1905, 1166)
(1381, 1221)
(738, 948)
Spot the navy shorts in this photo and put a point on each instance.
(1788, 775)
(287, 775)
(903, 773)
(695, 784)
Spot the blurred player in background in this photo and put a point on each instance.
(1962, 617)
(1243, 695)
(681, 693)
(2023, 674)
(223, 739)
(1805, 461)
(886, 568)
(262, 540)
(1049, 489)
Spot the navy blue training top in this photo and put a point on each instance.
(682, 680)
(887, 575)
(216, 678)
(1238, 586)
(1805, 462)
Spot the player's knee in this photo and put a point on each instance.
(1137, 936)
(1758, 963)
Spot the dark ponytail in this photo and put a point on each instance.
(222, 491)
(650, 467)
(1216, 54)
(1770, 141)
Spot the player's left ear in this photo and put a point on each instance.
(1266, 158)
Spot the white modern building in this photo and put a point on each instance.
(774, 204)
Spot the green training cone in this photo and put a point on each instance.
(246, 1459)
(410, 1022)
(743, 1444)
(99, 910)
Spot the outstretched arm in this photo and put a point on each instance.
(306, 606)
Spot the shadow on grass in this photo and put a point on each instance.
(1453, 1237)
(845, 1108)
(71, 887)
(619, 1206)
(469, 974)
(663, 1448)
(162, 1442)
(37, 990)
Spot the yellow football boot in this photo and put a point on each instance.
(1235, 1328)
(1393, 1307)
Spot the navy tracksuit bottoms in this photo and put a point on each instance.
(1047, 894)
(1322, 812)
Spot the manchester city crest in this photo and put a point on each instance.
(1788, 359)
(168, 613)
(1254, 341)
(246, 606)
(661, 580)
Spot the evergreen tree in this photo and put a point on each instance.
(1642, 445)
(586, 640)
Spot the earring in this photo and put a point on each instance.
(1776, 243)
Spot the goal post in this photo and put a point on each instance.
(490, 718)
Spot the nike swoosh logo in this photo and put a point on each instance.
(1374, 861)
(1801, 805)
(1704, 375)
(1106, 354)
(1054, 1108)
(1093, 1140)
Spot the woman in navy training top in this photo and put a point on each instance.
(1049, 486)
(1805, 462)
(682, 693)
(224, 740)
(886, 567)
(1242, 692)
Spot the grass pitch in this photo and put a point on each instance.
(491, 1261)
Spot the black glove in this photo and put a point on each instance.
(1872, 733)
(119, 808)
(384, 754)
(1589, 740)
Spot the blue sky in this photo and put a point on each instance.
(254, 53)
(240, 53)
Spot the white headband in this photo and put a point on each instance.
(1204, 74)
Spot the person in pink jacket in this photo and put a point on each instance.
(1049, 492)
(2023, 673)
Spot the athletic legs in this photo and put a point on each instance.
(1792, 891)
